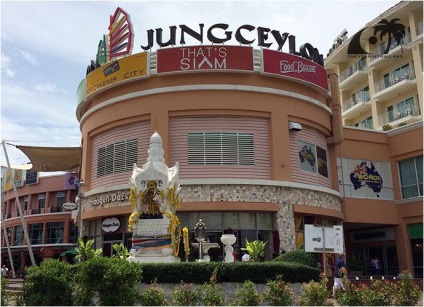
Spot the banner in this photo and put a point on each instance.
(196, 58)
(71, 180)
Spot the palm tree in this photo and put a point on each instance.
(391, 28)
(256, 249)
(85, 250)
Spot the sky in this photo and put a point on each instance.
(47, 45)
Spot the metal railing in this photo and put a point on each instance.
(380, 51)
(420, 28)
(394, 115)
(359, 97)
(359, 65)
(388, 82)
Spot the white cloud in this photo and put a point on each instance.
(47, 88)
(28, 57)
(6, 66)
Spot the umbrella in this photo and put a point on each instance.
(72, 251)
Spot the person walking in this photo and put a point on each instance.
(5, 271)
(339, 272)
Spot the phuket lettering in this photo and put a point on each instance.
(218, 34)
(296, 66)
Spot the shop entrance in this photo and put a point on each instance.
(386, 254)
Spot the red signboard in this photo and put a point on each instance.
(215, 57)
(288, 65)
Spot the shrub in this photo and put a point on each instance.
(5, 294)
(299, 256)
(186, 296)
(49, 284)
(210, 294)
(112, 280)
(349, 297)
(86, 251)
(153, 296)
(387, 127)
(407, 292)
(247, 295)
(278, 293)
(379, 293)
(256, 249)
(314, 293)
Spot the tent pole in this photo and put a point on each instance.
(22, 217)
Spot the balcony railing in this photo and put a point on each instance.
(379, 52)
(420, 28)
(398, 116)
(351, 102)
(359, 65)
(388, 82)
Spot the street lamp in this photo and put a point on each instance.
(200, 234)
(80, 197)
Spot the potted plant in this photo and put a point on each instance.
(356, 266)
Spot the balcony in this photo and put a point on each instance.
(387, 88)
(353, 107)
(395, 118)
(378, 59)
(353, 75)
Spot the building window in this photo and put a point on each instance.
(221, 148)
(312, 158)
(19, 234)
(116, 158)
(401, 73)
(36, 233)
(365, 123)
(25, 203)
(411, 177)
(60, 200)
(54, 232)
(73, 233)
(41, 201)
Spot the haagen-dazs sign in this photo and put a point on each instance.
(292, 66)
(109, 198)
(111, 224)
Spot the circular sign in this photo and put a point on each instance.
(69, 206)
(111, 224)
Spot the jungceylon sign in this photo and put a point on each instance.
(219, 34)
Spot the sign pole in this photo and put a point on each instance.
(324, 257)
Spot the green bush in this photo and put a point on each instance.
(407, 292)
(314, 293)
(210, 294)
(299, 256)
(278, 293)
(247, 295)
(113, 281)
(5, 294)
(153, 296)
(49, 284)
(186, 295)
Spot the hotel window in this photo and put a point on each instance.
(365, 123)
(116, 158)
(36, 233)
(60, 200)
(221, 148)
(401, 73)
(411, 177)
(312, 158)
(25, 203)
(54, 232)
(41, 201)
(19, 234)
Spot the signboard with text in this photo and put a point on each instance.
(288, 65)
(319, 239)
(194, 58)
(125, 69)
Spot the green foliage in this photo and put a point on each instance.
(356, 264)
(111, 280)
(314, 293)
(210, 294)
(407, 292)
(49, 284)
(186, 296)
(299, 256)
(247, 295)
(402, 124)
(349, 297)
(256, 249)
(5, 294)
(121, 251)
(278, 293)
(387, 127)
(153, 296)
(86, 251)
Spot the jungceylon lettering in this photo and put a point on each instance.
(296, 66)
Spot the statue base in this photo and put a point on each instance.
(152, 241)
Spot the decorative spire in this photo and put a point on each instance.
(155, 152)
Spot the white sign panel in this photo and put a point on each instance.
(69, 206)
(111, 224)
(318, 237)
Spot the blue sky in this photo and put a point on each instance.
(46, 47)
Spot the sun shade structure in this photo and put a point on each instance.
(53, 159)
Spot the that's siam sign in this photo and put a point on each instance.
(214, 57)
(292, 66)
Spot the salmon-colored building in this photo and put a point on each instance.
(261, 148)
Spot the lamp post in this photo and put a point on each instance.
(80, 197)
(200, 234)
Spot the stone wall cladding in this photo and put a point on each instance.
(285, 197)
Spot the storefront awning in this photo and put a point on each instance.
(70, 252)
(53, 159)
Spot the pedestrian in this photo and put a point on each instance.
(245, 257)
(5, 271)
(375, 266)
(339, 272)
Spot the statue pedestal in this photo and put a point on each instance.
(205, 249)
(228, 240)
(152, 241)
